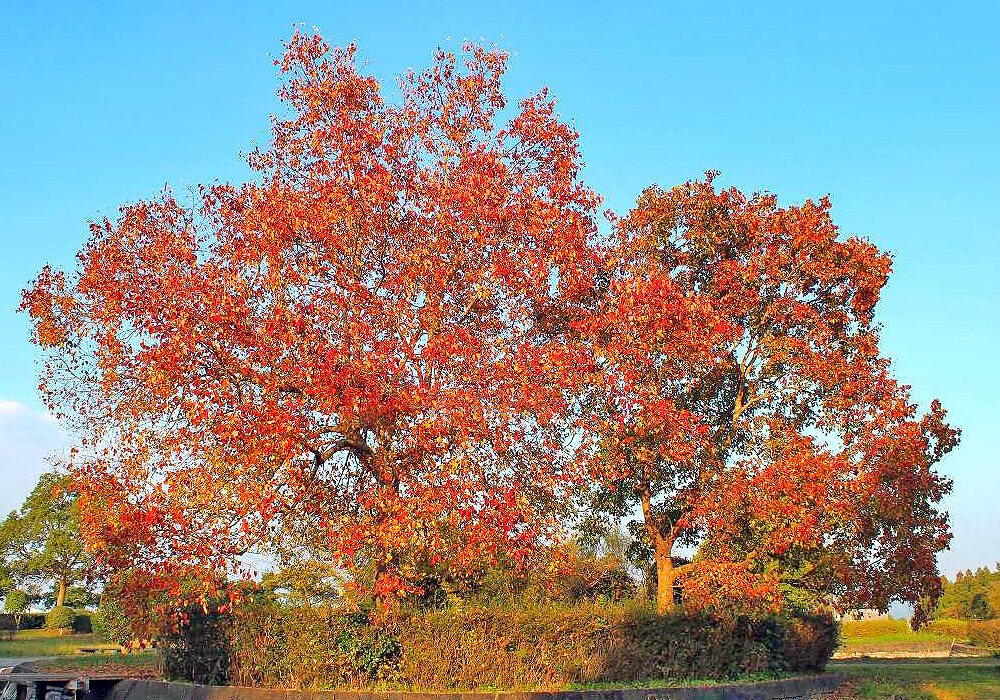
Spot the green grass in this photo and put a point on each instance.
(923, 681)
(49, 643)
(141, 658)
(143, 663)
(900, 642)
(675, 683)
(898, 637)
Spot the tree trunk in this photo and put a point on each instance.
(666, 575)
(61, 596)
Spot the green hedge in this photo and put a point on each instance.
(986, 634)
(948, 627)
(198, 650)
(453, 649)
(29, 621)
(456, 649)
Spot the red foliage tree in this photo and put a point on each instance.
(746, 408)
(350, 342)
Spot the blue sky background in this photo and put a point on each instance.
(891, 108)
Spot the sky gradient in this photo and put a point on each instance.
(891, 110)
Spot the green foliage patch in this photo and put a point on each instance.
(473, 648)
(112, 621)
(946, 627)
(60, 618)
(972, 595)
(865, 629)
(48, 643)
(986, 634)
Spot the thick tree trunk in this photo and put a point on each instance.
(61, 596)
(666, 575)
(662, 538)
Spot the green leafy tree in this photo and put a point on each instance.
(970, 596)
(40, 543)
(16, 603)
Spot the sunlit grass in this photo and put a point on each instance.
(927, 681)
(49, 643)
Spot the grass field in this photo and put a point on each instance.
(144, 664)
(898, 637)
(867, 637)
(34, 643)
(942, 680)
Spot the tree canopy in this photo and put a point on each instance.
(41, 543)
(405, 343)
(972, 595)
(745, 408)
(353, 339)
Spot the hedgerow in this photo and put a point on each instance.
(29, 621)
(502, 647)
(958, 629)
(985, 634)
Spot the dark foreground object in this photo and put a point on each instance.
(790, 689)
(49, 686)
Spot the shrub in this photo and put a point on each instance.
(29, 621)
(309, 648)
(197, 649)
(861, 629)
(985, 634)
(266, 644)
(454, 649)
(958, 629)
(809, 641)
(60, 618)
(112, 621)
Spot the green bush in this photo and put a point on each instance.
(112, 621)
(958, 629)
(808, 641)
(986, 634)
(308, 648)
(60, 618)
(266, 644)
(29, 621)
(197, 649)
(454, 649)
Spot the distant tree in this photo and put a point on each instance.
(16, 603)
(307, 582)
(974, 596)
(979, 609)
(41, 542)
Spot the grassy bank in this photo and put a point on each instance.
(33, 643)
(136, 665)
(923, 681)
(872, 636)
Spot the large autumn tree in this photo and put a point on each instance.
(745, 409)
(350, 340)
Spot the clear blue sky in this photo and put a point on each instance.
(891, 108)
